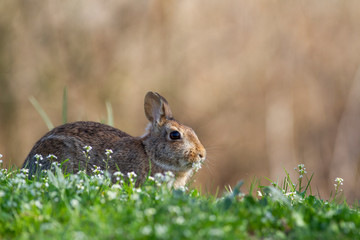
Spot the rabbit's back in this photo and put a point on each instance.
(68, 141)
(89, 131)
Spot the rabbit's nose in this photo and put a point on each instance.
(202, 156)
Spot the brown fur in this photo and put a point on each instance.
(135, 154)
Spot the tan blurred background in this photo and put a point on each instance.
(267, 85)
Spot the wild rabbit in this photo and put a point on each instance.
(167, 145)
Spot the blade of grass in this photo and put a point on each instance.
(64, 106)
(285, 185)
(228, 189)
(253, 185)
(308, 184)
(42, 113)
(271, 181)
(289, 182)
(110, 116)
(217, 192)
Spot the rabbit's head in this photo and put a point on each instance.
(169, 144)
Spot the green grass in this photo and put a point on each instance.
(69, 206)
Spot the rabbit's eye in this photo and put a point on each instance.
(174, 135)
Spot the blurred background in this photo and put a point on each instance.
(267, 85)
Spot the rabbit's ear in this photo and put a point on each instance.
(157, 109)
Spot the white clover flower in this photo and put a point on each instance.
(216, 232)
(74, 203)
(169, 174)
(179, 220)
(26, 206)
(51, 156)
(38, 157)
(20, 175)
(291, 195)
(116, 186)
(197, 165)
(81, 172)
(80, 186)
(150, 178)
(169, 177)
(111, 195)
(97, 170)
(182, 188)
(339, 181)
(174, 209)
(87, 148)
(38, 204)
(135, 197)
(79, 235)
(147, 230)
(160, 230)
(150, 212)
(159, 178)
(1, 155)
(108, 152)
(301, 169)
(131, 175)
(118, 174)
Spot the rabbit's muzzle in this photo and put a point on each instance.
(196, 154)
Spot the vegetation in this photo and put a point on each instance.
(76, 206)
(263, 83)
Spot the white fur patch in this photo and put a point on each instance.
(167, 166)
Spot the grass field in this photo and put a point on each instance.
(78, 206)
